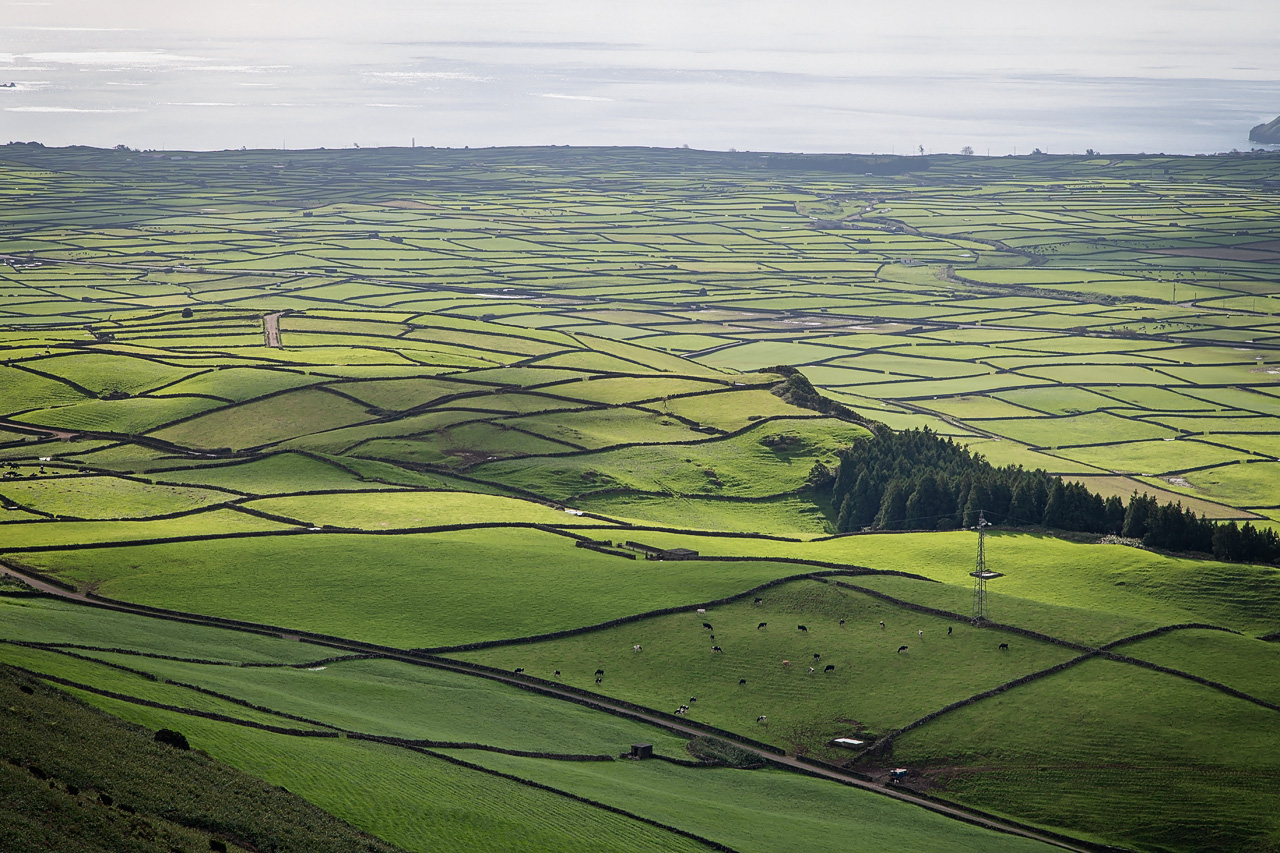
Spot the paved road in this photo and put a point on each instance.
(552, 690)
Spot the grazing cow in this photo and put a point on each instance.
(635, 648)
(519, 670)
(901, 649)
(702, 610)
(762, 625)
(713, 636)
(817, 656)
(881, 623)
(762, 719)
(830, 668)
(921, 633)
(786, 663)
(599, 679)
(802, 628)
(741, 681)
(557, 673)
(758, 600)
(948, 630)
(1004, 647)
(717, 649)
(680, 711)
(707, 625)
(841, 623)
(693, 699)
(812, 670)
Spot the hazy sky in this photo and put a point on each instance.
(827, 75)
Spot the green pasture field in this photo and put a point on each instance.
(237, 384)
(630, 389)
(1252, 667)
(1112, 579)
(789, 516)
(979, 408)
(1241, 399)
(415, 801)
(216, 521)
(1085, 718)
(1245, 484)
(461, 445)
(399, 395)
(1266, 445)
(1077, 430)
(1153, 457)
(278, 473)
(373, 511)
(804, 709)
(105, 497)
(477, 585)
(744, 466)
(349, 440)
(100, 373)
(266, 422)
(602, 428)
(20, 390)
(133, 416)
(764, 810)
(1000, 452)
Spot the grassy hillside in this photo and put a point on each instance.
(77, 779)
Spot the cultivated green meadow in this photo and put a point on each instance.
(377, 474)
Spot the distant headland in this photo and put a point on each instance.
(1267, 134)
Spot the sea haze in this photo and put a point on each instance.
(826, 75)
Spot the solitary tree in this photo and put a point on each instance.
(967, 150)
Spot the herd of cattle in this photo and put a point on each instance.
(715, 649)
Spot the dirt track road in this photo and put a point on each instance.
(271, 329)
(552, 690)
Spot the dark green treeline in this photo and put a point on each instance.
(918, 480)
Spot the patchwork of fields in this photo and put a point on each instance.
(385, 426)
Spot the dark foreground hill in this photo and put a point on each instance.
(75, 779)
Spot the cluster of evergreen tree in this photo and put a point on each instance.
(918, 480)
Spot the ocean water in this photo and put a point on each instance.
(827, 75)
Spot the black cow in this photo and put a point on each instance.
(519, 670)
(762, 625)
(741, 681)
(830, 668)
(759, 600)
(717, 649)
(707, 625)
(901, 649)
(841, 623)
(948, 630)
(816, 656)
(1004, 647)
(599, 672)
(599, 679)
(801, 628)
(557, 673)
